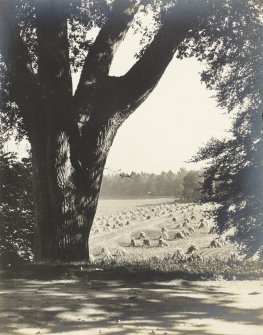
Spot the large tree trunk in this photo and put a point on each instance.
(87, 201)
(89, 163)
(47, 195)
(59, 236)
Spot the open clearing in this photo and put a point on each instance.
(98, 304)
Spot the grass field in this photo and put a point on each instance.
(119, 221)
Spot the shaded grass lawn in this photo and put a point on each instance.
(141, 269)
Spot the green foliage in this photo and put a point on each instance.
(16, 222)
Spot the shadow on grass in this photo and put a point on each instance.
(117, 307)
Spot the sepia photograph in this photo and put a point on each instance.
(131, 167)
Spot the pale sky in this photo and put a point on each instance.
(168, 128)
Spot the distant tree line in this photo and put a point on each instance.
(183, 184)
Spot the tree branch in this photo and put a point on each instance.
(99, 58)
(136, 85)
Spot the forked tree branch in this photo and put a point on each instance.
(99, 58)
(136, 85)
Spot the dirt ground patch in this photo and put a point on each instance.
(80, 306)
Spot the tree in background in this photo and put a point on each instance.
(192, 185)
(42, 42)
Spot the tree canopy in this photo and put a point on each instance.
(234, 176)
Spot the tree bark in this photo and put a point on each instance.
(47, 196)
(89, 161)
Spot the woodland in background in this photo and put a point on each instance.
(184, 185)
